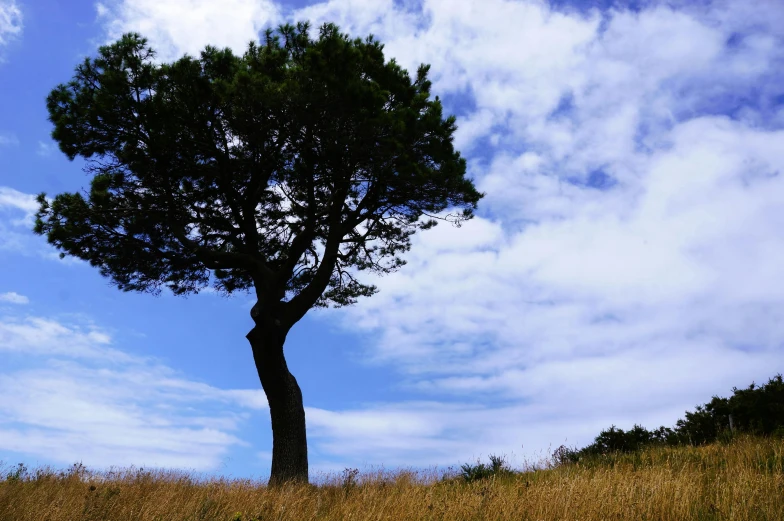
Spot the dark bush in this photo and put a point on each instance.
(757, 410)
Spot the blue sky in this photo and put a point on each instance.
(624, 266)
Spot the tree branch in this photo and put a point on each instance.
(296, 308)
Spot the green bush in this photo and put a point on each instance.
(757, 410)
(497, 467)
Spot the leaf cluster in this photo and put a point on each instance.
(480, 471)
(286, 170)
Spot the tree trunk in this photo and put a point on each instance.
(289, 441)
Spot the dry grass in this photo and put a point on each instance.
(740, 481)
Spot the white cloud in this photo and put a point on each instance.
(17, 215)
(563, 308)
(16, 233)
(14, 298)
(362, 17)
(86, 401)
(185, 26)
(10, 21)
(41, 336)
(622, 305)
(14, 199)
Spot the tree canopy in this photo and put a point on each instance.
(287, 169)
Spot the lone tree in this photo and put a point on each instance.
(283, 172)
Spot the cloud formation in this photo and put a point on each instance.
(14, 298)
(73, 398)
(622, 265)
(177, 27)
(17, 213)
(16, 200)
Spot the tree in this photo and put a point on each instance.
(283, 172)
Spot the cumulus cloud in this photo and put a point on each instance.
(626, 247)
(186, 26)
(87, 401)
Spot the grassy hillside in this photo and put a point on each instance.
(739, 480)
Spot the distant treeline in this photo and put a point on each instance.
(758, 410)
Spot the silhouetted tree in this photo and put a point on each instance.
(282, 172)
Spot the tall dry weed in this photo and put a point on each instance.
(740, 481)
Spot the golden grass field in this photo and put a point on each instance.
(742, 480)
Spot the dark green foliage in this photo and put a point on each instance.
(564, 455)
(497, 467)
(758, 410)
(616, 440)
(282, 170)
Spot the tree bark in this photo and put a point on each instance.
(289, 440)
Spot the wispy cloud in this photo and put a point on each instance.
(14, 298)
(8, 140)
(17, 217)
(86, 401)
(17, 212)
(10, 22)
(45, 149)
(14, 199)
(40, 336)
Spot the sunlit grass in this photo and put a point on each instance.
(742, 480)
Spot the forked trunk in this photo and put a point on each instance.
(289, 441)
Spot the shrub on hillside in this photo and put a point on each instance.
(757, 410)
